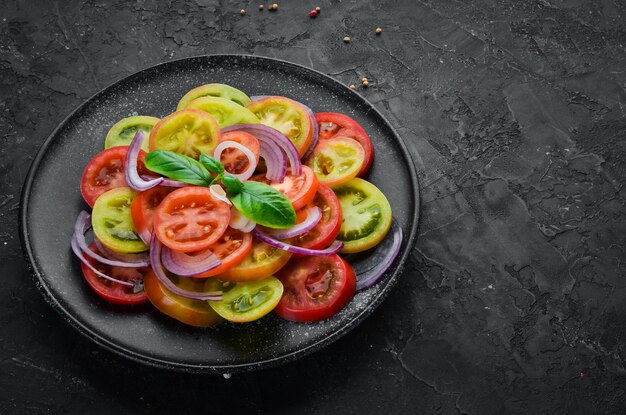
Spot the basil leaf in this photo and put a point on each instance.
(233, 184)
(178, 167)
(212, 164)
(264, 205)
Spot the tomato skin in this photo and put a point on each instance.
(225, 111)
(187, 131)
(231, 249)
(243, 302)
(328, 227)
(234, 160)
(191, 312)
(214, 90)
(316, 288)
(123, 131)
(105, 171)
(300, 190)
(287, 116)
(337, 160)
(261, 262)
(190, 219)
(334, 124)
(143, 207)
(111, 291)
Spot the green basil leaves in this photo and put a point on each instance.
(264, 205)
(178, 167)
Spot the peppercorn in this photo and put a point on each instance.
(346, 39)
(365, 84)
(274, 7)
(379, 30)
(242, 12)
(363, 80)
(261, 7)
(313, 14)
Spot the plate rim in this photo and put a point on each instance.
(91, 334)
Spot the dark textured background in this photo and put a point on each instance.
(515, 298)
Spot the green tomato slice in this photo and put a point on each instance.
(112, 222)
(366, 215)
(225, 111)
(214, 90)
(245, 301)
(123, 131)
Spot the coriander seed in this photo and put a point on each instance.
(379, 30)
(242, 12)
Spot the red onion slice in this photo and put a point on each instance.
(130, 167)
(274, 160)
(218, 192)
(159, 272)
(79, 253)
(166, 182)
(332, 249)
(313, 216)
(81, 226)
(371, 266)
(187, 265)
(246, 174)
(249, 227)
(268, 134)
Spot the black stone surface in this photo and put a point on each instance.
(514, 301)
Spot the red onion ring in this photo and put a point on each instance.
(159, 272)
(186, 265)
(274, 160)
(332, 249)
(313, 216)
(130, 167)
(268, 134)
(217, 153)
(82, 224)
(79, 253)
(218, 192)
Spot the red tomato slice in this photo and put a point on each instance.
(106, 171)
(287, 116)
(328, 227)
(316, 287)
(190, 219)
(231, 249)
(300, 190)
(142, 209)
(334, 124)
(234, 160)
(112, 291)
(195, 313)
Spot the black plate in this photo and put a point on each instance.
(51, 201)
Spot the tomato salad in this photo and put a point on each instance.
(232, 207)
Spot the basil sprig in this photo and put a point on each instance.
(257, 201)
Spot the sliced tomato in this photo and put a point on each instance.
(142, 209)
(287, 116)
(243, 302)
(225, 111)
(110, 290)
(336, 161)
(261, 262)
(333, 124)
(327, 228)
(214, 90)
(234, 160)
(188, 131)
(112, 222)
(300, 190)
(190, 219)
(123, 131)
(105, 172)
(316, 287)
(366, 215)
(195, 313)
(231, 249)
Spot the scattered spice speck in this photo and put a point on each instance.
(313, 14)
(353, 87)
(365, 83)
(318, 9)
(261, 7)
(346, 39)
(274, 7)
(363, 79)
(379, 30)
(242, 12)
